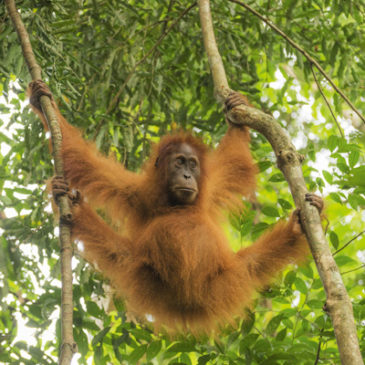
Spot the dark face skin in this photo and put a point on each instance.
(183, 173)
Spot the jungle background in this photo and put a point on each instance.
(127, 72)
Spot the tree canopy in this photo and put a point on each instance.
(127, 72)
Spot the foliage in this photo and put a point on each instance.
(112, 79)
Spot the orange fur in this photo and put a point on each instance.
(174, 262)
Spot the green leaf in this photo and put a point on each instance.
(100, 137)
(334, 239)
(274, 324)
(278, 177)
(182, 347)
(204, 359)
(93, 309)
(262, 345)
(270, 211)
(307, 271)
(317, 284)
(289, 312)
(281, 335)
(248, 342)
(81, 340)
(354, 200)
(247, 323)
(137, 354)
(333, 53)
(342, 260)
(153, 349)
(258, 228)
(354, 158)
(285, 204)
(290, 278)
(327, 176)
(300, 285)
(332, 142)
(6, 201)
(264, 165)
(315, 304)
(335, 197)
(99, 337)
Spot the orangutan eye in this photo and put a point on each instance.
(180, 160)
(193, 164)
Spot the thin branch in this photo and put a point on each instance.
(356, 268)
(319, 348)
(114, 101)
(166, 20)
(289, 161)
(325, 99)
(346, 244)
(68, 347)
(303, 52)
